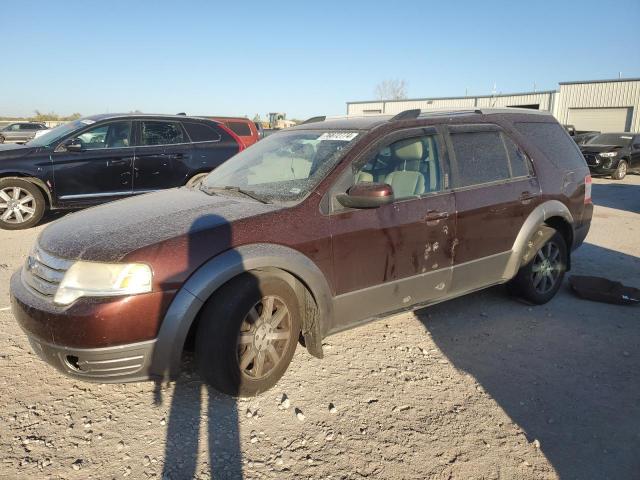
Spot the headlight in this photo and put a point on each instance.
(608, 154)
(92, 279)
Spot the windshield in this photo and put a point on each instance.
(611, 139)
(58, 132)
(283, 167)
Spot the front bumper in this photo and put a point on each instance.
(122, 363)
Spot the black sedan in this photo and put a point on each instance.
(613, 154)
(105, 157)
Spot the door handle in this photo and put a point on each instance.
(524, 196)
(435, 215)
(119, 161)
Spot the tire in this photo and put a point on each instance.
(537, 281)
(22, 212)
(193, 181)
(2, 139)
(233, 351)
(621, 170)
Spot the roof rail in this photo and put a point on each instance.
(320, 118)
(406, 115)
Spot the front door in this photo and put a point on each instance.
(102, 168)
(495, 191)
(398, 255)
(162, 152)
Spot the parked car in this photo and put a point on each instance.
(20, 131)
(243, 127)
(313, 230)
(582, 138)
(613, 154)
(105, 157)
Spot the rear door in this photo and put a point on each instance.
(495, 190)
(162, 148)
(101, 169)
(634, 156)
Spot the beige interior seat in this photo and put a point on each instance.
(363, 177)
(407, 182)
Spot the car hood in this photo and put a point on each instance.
(110, 232)
(13, 150)
(593, 148)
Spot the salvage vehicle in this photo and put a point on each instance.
(613, 154)
(244, 128)
(582, 138)
(313, 230)
(20, 131)
(105, 157)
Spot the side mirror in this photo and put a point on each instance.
(636, 146)
(366, 195)
(73, 145)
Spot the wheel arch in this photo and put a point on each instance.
(46, 193)
(307, 279)
(546, 218)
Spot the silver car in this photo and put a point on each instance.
(20, 131)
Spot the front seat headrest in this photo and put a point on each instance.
(409, 150)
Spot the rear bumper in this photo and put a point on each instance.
(123, 363)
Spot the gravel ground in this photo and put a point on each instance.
(479, 387)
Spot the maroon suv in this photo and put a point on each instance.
(313, 230)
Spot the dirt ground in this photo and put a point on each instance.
(479, 387)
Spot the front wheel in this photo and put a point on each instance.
(539, 280)
(248, 333)
(621, 171)
(22, 204)
(2, 139)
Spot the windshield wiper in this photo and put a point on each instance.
(228, 188)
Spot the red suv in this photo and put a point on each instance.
(313, 230)
(244, 128)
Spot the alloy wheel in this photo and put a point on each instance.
(17, 205)
(264, 337)
(546, 268)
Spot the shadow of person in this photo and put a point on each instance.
(193, 401)
(559, 371)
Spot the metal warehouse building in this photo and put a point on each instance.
(601, 105)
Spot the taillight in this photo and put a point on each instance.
(587, 190)
(233, 134)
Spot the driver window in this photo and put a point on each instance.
(111, 135)
(411, 166)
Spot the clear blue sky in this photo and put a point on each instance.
(302, 58)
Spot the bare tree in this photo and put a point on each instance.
(392, 89)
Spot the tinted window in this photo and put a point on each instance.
(240, 128)
(161, 133)
(481, 157)
(520, 164)
(28, 126)
(14, 128)
(200, 132)
(411, 166)
(110, 135)
(554, 142)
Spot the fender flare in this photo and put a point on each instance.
(218, 271)
(531, 236)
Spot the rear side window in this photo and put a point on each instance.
(239, 128)
(520, 164)
(553, 141)
(161, 133)
(200, 132)
(481, 157)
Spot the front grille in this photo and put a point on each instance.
(42, 272)
(592, 159)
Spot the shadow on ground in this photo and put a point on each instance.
(617, 194)
(569, 381)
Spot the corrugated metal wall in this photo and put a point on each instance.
(544, 99)
(597, 94)
(600, 95)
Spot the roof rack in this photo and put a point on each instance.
(418, 113)
(320, 118)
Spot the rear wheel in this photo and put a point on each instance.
(539, 280)
(248, 333)
(1, 138)
(22, 204)
(621, 170)
(196, 179)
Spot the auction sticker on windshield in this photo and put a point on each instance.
(341, 136)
